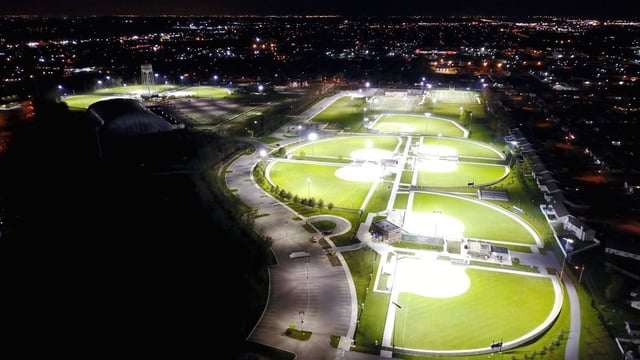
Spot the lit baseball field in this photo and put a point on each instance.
(447, 307)
(432, 306)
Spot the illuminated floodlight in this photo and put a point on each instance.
(431, 278)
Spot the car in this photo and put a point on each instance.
(327, 232)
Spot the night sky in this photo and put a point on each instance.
(578, 8)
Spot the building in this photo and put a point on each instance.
(386, 231)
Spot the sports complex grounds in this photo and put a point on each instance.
(448, 215)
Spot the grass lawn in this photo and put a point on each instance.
(433, 173)
(464, 147)
(135, 89)
(418, 124)
(347, 112)
(495, 307)
(342, 147)
(480, 221)
(209, 92)
(82, 102)
(319, 182)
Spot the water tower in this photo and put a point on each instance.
(147, 76)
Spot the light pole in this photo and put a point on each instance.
(393, 335)
(263, 154)
(285, 230)
(312, 138)
(581, 271)
(435, 227)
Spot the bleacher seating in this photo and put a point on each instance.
(498, 195)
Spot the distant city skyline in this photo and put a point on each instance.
(572, 8)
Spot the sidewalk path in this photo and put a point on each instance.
(312, 294)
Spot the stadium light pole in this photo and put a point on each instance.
(286, 236)
(580, 276)
(312, 138)
(437, 214)
(393, 334)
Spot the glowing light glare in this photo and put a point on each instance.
(313, 137)
(426, 223)
(263, 152)
(437, 150)
(431, 278)
(365, 173)
(368, 144)
(370, 154)
(436, 166)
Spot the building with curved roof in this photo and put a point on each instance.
(126, 117)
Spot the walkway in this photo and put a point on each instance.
(312, 294)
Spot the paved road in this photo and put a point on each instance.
(312, 293)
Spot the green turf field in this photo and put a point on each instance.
(420, 124)
(135, 89)
(208, 92)
(443, 173)
(343, 147)
(480, 221)
(319, 182)
(496, 306)
(464, 147)
(82, 102)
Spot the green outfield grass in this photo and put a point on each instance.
(208, 92)
(417, 124)
(480, 221)
(347, 111)
(464, 147)
(496, 306)
(458, 174)
(322, 184)
(135, 89)
(394, 103)
(82, 102)
(342, 147)
(458, 97)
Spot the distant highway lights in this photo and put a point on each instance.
(312, 137)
